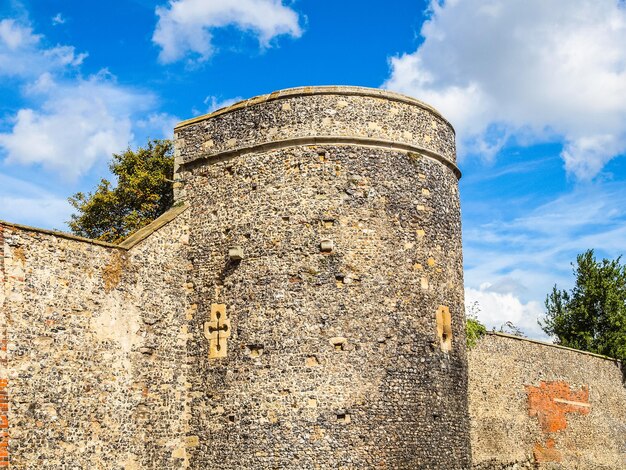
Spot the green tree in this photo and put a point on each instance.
(592, 316)
(142, 192)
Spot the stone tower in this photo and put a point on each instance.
(327, 324)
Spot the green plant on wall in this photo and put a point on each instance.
(511, 328)
(474, 329)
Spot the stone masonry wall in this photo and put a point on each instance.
(326, 353)
(157, 281)
(304, 309)
(95, 359)
(534, 405)
(4, 396)
(318, 112)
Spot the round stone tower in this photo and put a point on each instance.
(327, 324)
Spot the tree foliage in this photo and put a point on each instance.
(592, 316)
(142, 192)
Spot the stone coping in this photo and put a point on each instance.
(57, 233)
(552, 345)
(153, 226)
(315, 90)
(127, 244)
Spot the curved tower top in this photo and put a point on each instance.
(318, 115)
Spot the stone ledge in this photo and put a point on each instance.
(127, 244)
(56, 233)
(325, 140)
(153, 226)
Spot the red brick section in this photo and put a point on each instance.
(4, 395)
(547, 453)
(550, 402)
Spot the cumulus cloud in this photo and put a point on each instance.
(77, 124)
(58, 19)
(497, 308)
(49, 211)
(511, 264)
(184, 26)
(14, 36)
(157, 126)
(68, 122)
(528, 70)
(30, 204)
(215, 103)
(23, 55)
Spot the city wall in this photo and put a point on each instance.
(301, 307)
(93, 350)
(537, 405)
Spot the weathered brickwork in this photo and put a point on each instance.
(550, 402)
(549, 407)
(350, 248)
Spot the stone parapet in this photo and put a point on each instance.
(315, 114)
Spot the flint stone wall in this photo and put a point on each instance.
(350, 247)
(536, 404)
(317, 113)
(323, 223)
(95, 350)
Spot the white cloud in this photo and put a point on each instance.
(14, 35)
(157, 126)
(47, 212)
(58, 19)
(528, 69)
(68, 123)
(29, 204)
(214, 103)
(184, 26)
(77, 124)
(23, 55)
(498, 308)
(511, 264)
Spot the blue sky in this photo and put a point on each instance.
(536, 91)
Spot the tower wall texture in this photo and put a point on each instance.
(328, 345)
(302, 309)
